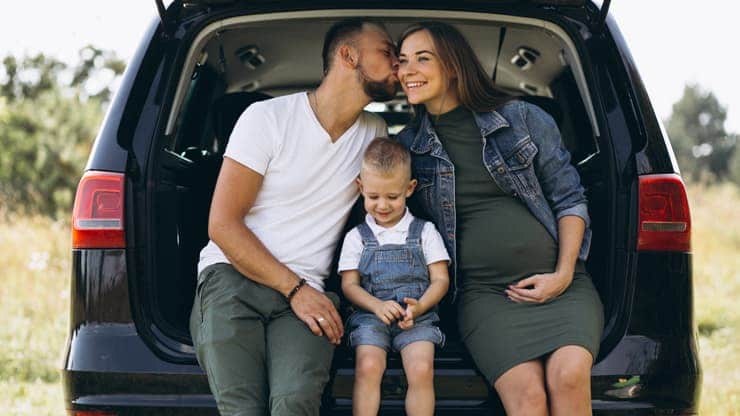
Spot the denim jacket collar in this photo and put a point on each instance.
(487, 121)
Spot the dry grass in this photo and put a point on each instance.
(716, 246)
(34, 295)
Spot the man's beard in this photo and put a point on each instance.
(377, 90)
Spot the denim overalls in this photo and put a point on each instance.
(393, 272)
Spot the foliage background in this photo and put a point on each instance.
(705, 150)
(49, 115)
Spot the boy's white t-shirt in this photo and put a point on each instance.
(309, 182)
(432, 244)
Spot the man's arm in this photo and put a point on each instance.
(235, 194)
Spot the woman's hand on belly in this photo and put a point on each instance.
(539, 288)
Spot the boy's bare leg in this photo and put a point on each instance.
(369, 369)
(418, 363)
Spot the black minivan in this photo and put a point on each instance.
(140, 215)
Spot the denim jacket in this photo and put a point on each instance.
(523, 152)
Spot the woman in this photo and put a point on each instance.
(496, 179)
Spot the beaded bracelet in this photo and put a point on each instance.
(295, 289)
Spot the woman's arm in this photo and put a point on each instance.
(560, 181)
(561, 186)
(570, 236)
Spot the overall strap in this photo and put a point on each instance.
(415, 229)
(368, 238)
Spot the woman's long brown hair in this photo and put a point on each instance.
(475, 89)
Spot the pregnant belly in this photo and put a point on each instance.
(499, 240)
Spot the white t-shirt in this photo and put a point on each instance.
(309, 182)
(431, 242)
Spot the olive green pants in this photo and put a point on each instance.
(259, 357)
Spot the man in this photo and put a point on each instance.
(263, 329)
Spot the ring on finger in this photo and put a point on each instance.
(320, 319)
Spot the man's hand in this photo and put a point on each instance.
(388, 311)
(318, 312)
(539, 288)
(412, 311)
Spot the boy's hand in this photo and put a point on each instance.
(412, 310)
(389, 311)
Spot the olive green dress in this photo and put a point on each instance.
(500, 242)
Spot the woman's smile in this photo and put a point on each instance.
(415, 84)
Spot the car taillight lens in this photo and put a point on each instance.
(665, 221)
(97, 218)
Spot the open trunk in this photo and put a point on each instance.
(234, 62)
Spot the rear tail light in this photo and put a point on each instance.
(97, 218)
(665, 221)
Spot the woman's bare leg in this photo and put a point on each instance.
(568, 374)
(522, 389)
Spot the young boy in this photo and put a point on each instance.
(394, 269)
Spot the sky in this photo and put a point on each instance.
(673, 42)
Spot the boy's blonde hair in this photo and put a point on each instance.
(383, 155)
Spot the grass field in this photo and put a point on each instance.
(716, 242)
(35, 264)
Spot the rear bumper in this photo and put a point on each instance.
(202, 405)
(600, 408)
(108, 367)
(188, 394)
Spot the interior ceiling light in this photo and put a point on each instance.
(250, 56)
(525, 57)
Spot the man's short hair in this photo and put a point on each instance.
(384, 155)
(342, 32)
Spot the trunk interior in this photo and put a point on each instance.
(244, 62)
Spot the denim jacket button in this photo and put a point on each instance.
(500, 169)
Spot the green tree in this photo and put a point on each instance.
(46, 142)
(90, 78)
(94, 64)
(696, 128)
(49, 115)
(735, 163)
